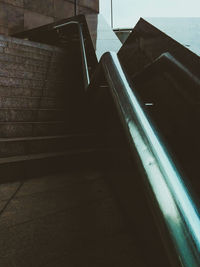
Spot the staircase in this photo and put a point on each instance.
(57, 208)
(84, 174)
(35, 131)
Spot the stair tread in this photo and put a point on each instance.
(7, 91)
(9, 139)
(33, 80)
(45, 155)
(29, 43)
(31, 109)
(31, 122)
(30, 97)
(32, 55)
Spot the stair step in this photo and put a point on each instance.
(30, 83)
(28, 166)
(12, 69)
(27, 83)
(13, 46)
(52, 69)
(27, 45)
(31, 115)
(52, 56)
(23, 74)
(20, 91)
(23, 60)
(22, 129)
(17, 59)
(46, 144)
(29, 102)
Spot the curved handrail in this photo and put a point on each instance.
(177, 207)
(86, 75)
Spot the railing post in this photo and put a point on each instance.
(75, 7)
(86, 75)
(112, 14)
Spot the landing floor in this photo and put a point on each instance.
(69, 219)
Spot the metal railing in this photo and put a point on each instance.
(176, 206)
(86, 75)
(175, 203)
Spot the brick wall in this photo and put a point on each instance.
(19, 15)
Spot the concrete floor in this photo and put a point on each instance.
(68, 219)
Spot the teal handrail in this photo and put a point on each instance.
(175, 203)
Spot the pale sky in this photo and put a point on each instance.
(127, 12)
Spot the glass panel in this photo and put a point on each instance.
(127, 12)
(105, 10)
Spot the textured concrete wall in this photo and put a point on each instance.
(19, 15)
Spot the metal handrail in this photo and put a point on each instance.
(176, 205)
(86, 75)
